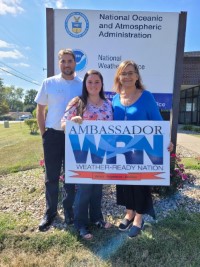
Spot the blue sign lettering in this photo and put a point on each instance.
(132, 147)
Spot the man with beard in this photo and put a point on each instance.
(55, 93)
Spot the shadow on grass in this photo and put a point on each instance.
(175, 241)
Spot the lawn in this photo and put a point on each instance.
(173, 241)
(19, 150)
(191, 163)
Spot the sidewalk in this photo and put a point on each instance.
(189, 142)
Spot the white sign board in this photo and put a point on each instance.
(117, 152)
(102, 39)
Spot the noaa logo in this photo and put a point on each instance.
(81, 60)
(76, 24)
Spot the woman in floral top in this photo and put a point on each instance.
(91, 105)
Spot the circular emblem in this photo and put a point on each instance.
(76, 24)
(81, 59)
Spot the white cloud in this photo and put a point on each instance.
(27, 48)
(21, 65)
(15, 54)
(59, 4)
(55, 4)
(10, 7)
(4, 44)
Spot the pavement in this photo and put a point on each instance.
(189, 141)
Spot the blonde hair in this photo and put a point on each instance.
(120, 69)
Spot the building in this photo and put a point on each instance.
(189, 109)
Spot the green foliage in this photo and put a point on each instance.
(177, 178)
(14, 98)
(29, 103)
(6, 118)
(29, 108)
(34, 113)
(29, 97)
(33, 126)
(7, 222)
(187, 127)
(4, 108)
(196, 129)
(1, 83)
(191, 128)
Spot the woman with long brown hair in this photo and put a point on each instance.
(91, 105)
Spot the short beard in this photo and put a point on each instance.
(68, 73)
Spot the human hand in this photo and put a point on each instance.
(77, 119)
(170, 147)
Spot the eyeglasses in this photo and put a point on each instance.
(129, 74)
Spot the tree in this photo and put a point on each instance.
(14, 98)
(29, 97)
(1, 83)
(29, 103)
(4, 108)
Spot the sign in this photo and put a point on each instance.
(117, 152)
(102, 39)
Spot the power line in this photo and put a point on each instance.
(20, 77)
(16, 70)
(11, 35)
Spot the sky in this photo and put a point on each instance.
(23, 32)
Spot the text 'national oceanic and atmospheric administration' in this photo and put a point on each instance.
(129, 26)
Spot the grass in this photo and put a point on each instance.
(172, 242)
(191, 163)
(19, 150)
(196, 135)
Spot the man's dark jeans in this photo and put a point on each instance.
(54, 156)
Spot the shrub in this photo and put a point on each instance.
(197, 129)
(33, 126)
(34, 113)
(29, 108)
(191, 128)
(177, 177)
(187, 127)
(6, 118)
